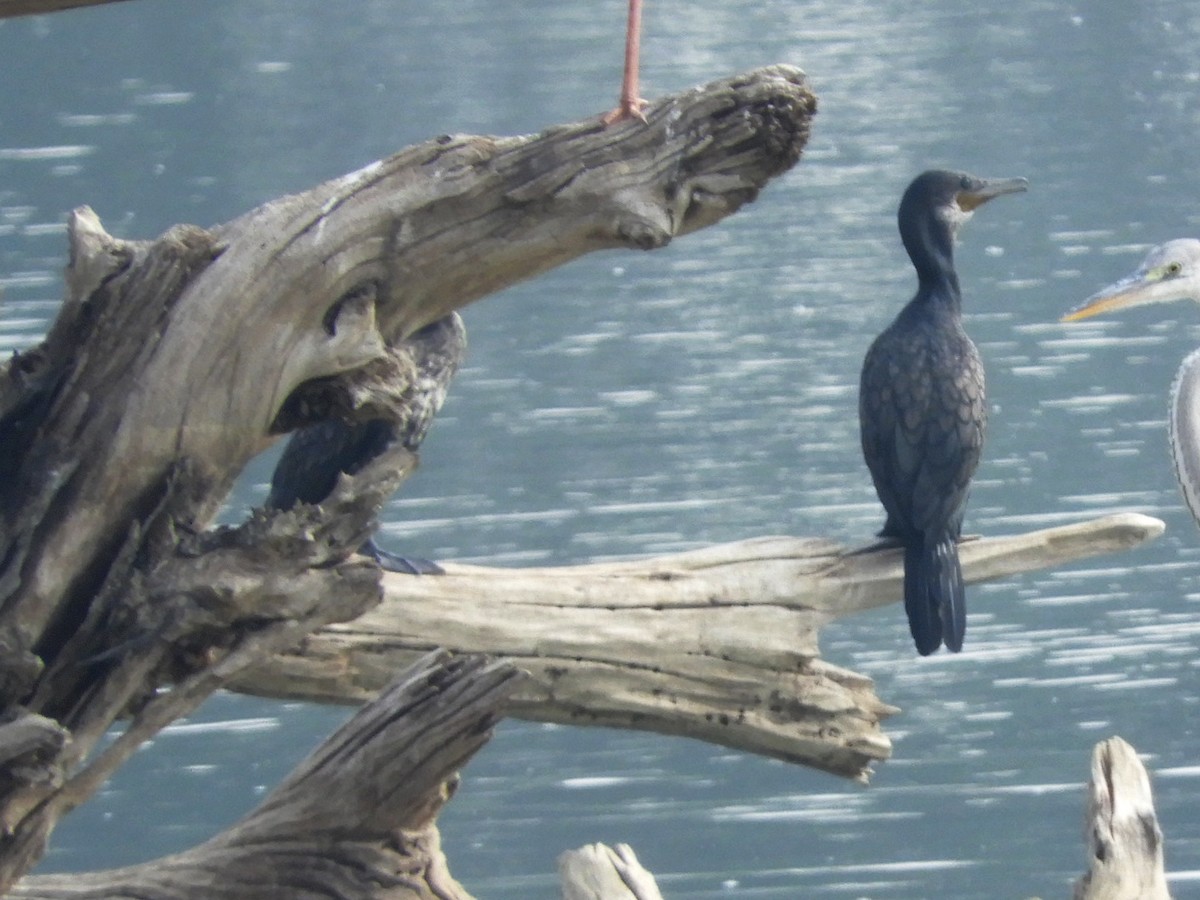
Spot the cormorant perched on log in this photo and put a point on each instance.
(316, 455)
(921, 407)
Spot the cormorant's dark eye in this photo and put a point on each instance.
(965, 184)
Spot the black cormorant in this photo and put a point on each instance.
(317, 454)
(921, 407)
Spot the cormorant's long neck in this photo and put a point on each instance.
(930, 246)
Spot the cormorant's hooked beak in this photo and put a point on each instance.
(1145, 286)
(971, 199)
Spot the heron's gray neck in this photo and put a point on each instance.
(1185, 430)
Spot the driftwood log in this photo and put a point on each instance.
(718, 644)
(1124, 842)
(173, 362)
(412, 739)
(356, 819)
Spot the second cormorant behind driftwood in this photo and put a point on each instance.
(317, 454)
(921, 407)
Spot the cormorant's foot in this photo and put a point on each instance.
(630, 108)
(405, 565)
(140, 644)
(885, 542)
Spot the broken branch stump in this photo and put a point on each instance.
(1124, 842)
(600, 872)
(354, 820)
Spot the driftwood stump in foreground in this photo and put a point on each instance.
(357, 818)
(718, 644)
(599, 872)
(1124, 841)
(1122, 833)
(173, 362)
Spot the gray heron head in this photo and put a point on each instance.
(1170, 272)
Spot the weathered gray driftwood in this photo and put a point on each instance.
(11, 8)
(356, 819)
(1124, 842)
(173, 362)
(600, 872)
(718, 644)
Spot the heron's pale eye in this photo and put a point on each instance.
(1173, 269)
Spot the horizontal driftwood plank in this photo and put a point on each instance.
(719, 643)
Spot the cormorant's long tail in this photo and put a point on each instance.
(934, 595)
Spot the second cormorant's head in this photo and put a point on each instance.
(935, 206)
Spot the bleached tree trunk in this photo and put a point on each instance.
(173, 362)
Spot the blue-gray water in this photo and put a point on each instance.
(633, 403)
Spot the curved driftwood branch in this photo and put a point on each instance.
(228, 324)
(718, 644)
(356, 819)
(1125, 844)
(206, 337)
(173, 362)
